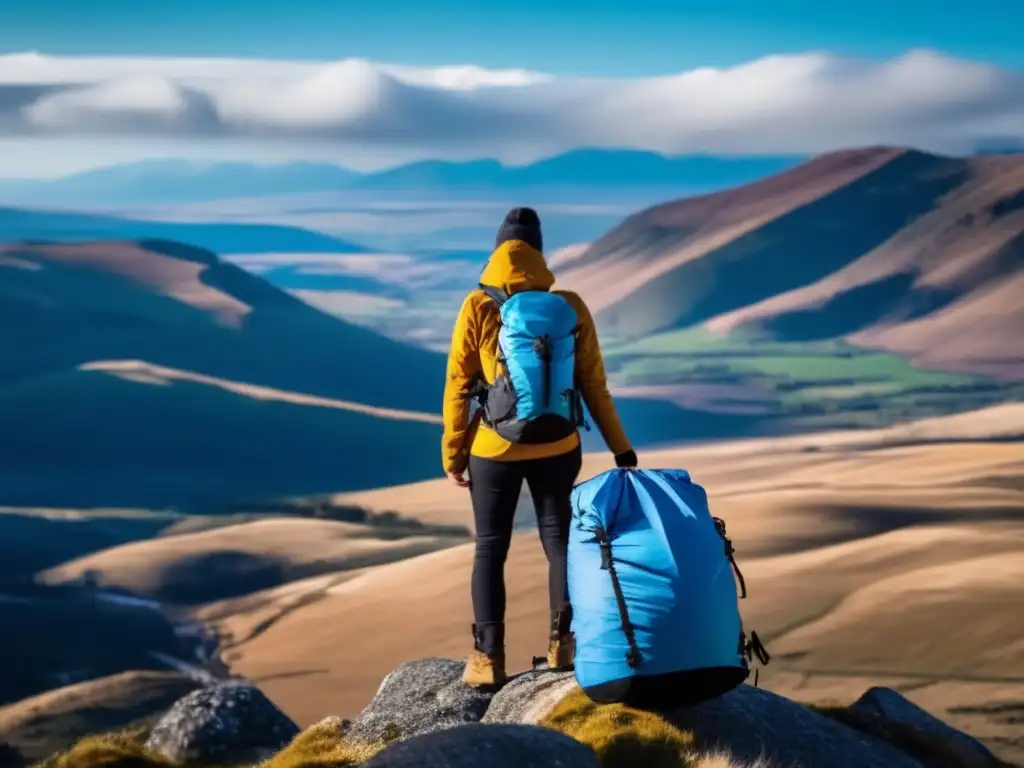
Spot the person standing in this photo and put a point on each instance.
(501, 451)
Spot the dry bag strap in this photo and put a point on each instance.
(730, 552)
(754, 647)
(633, 656)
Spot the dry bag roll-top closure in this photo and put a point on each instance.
(534, 397)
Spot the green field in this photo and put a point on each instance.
(807, 380)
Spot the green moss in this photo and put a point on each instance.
(108, 751)
(323, 746)
(622, 737)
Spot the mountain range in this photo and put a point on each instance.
(883, 248)
(121, 325)
(180, 181)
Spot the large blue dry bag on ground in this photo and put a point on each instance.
(654, 599)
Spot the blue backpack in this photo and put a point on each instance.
(536, 399)
(655, 608)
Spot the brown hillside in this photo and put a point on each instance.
(654, 243)
(238, 559)
(817, 520)
(888, 248)
(945, 290)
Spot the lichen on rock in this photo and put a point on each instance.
(420, 697)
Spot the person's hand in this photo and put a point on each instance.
(459, 478)
(626, 459)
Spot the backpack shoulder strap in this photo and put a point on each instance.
(497, 295)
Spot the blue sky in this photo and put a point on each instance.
(590, 37)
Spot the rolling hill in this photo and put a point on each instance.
(151, 373)
(882, 248)
(234, 560)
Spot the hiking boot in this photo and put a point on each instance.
(562, 651)
(561, 642)
(485, 666)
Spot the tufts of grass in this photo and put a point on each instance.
(324, 746)
(107, 751)
(623, 737)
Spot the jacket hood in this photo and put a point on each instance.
(516, 266)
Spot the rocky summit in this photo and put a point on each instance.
(424, 716)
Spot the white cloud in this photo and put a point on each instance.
(780, 104)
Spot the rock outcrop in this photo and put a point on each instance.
(751, 723)
(226, 724)
(887, 714)
(475, 745)
(424, 716)
(420, 697)
(528, 697)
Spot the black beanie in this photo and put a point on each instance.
(521, 224)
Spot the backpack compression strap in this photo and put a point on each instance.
(542, 346)
(495, 294)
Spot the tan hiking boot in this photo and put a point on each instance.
(482, 671)
(562, 651)
(485, 666)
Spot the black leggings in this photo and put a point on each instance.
(495, 487)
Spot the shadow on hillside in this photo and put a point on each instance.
(849, 522)
(89, 439)
(657, 423)
(894, 298)
(891, 297)
(796, 249)
(206, 577)
(31, 543)
(109, 638)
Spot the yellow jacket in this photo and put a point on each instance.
(515, 266)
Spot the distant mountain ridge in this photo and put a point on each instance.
(182, 181)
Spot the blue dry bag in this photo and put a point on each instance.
(534, 399)
(654, 600)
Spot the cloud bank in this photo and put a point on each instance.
(792, 104)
